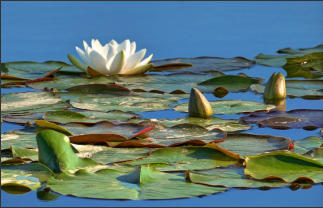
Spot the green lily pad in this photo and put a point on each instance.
(19, 103)
(19, 152)
(138, 102)
(316, 154)
(202, 64)
(33, 70)
(252, 144)
(19, 139)
(187, 158)
(182, 134)
(230, 106)
(308, 66)
(106, 155)
(56, 153)
(230, 177)
(234, 83)
(284, 165)
(299, 118)
(280, 60)
(307, 89)
(305, 145)
(227, 125)
(66, 116)
(144, 183)
(63, 82)
(30, 175)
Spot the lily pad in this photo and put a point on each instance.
(299, 118)
(234, 83)
(30, 175)
(139, 102)
(202, 64)
(305, 145)
(187, 158)
(182, 134)
(19, 103)
(308, 66)
(230, 106)
(56, 153)
(280, 60)
(19, 152)
(227, 125)
(307, 89)
(284, 165)
(252, 144)
(32, 70)
(144, 183)
(230, 177)
(316, 154)
(18, 139)
(63, 82)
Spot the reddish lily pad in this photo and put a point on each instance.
(202, 64)
(298, 118)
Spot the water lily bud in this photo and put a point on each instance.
(199, 106)
(275, 87)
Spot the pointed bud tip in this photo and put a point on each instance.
(199, 106)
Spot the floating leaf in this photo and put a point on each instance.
(18, 152)
(230, 177)
(56, 152)
(15, 188)
(30, 175)
(100, 88)
(280, 60)
(308, 66)
(138, 102)
(30, 102)
(284, 165)
(33, 70)
(144, 183)
(316, 154)
(220, 92)
(65, 116)
(251, 144)
(230, 106)
(227, 125)
(18, 139)
(50, 125)
(307, 89)
(187, 158)
(202, 64)
(234, 83)
(299, 118)
(305, 145)
(182, 134)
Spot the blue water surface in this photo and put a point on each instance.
(41, 31)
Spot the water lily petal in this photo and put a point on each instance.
(117, 63)
(122, 46)
(139, 70)
(132, 47)
(145, 61)
(134, 60)
(113, 43)
(98, 62)
(83, 55)
(76, 62)
(86, 47)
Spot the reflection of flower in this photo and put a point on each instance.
(113, 58)
(275, 87)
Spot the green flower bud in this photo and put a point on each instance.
(275, 87)
(199, 106)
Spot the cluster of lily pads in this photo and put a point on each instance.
(83, 133)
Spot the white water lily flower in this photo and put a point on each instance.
(113, 58)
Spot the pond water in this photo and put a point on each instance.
(40, 31)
